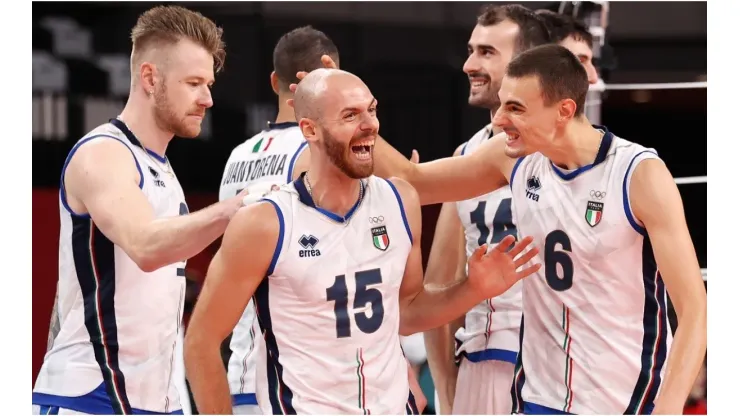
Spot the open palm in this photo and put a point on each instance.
(493, 273)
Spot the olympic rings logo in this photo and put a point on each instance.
(598, 194)
(376, 220)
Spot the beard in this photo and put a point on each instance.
(339, 156)
(167, 119)
(487, 98)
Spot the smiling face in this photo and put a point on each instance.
(583, 52)
(490, 49)
(528, 122)
(183, 91)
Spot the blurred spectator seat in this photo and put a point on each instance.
(69, 39)
(119, 78)
(48, 73)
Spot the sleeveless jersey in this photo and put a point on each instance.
(329, 306)
(267, 158)
(595, 331)
(118, 325)
(491, 330)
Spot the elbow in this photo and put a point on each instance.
(145, 261)
(407, 327)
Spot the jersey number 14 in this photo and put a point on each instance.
(364, 295)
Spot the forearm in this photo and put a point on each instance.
(389, 162)
(169, 240)
(435, 306)
(440, 346)
(208, 381)
(685, 358)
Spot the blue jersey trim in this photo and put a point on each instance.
(294, 159)
(513, 172)
(491, 354)
(626, 197)
(606, 143)
(280, 126)
(403, 211)
(120, 125)
(281, 235)
(244, 399)
(96, 402)
(462, 151)
(305, 197)
(536, 409)
(63, 190)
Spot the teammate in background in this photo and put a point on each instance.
(607, 216)
(573, 35)
(275, 156)
(126, 232)
(335, 258)
(488, 336)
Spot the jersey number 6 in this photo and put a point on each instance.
(554, 257)
(363, 295)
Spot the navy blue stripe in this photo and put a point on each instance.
(626, 196)
(279, 392)
(62, 189)
(244, 399)
(462, 151)
(87, 262)
(606, 143)
(403, 211)
(280, 126)
(513, 172)
(94, 403)
(517, 402)
(536, 409)
(281, 236)
(491, 354)
(293, 160)
(411, 408)
(120, 125)
(655, 327)
(48, 410)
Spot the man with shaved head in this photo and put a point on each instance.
(333, 261)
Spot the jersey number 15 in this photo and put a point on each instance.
(364, 295)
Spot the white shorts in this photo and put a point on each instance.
(483, 388)
(247, 409)
(53, 410)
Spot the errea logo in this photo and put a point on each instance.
(309, 244)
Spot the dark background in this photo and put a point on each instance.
(409, 54)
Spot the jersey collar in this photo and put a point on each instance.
(120, 125)
(281, 126)
(305, 197)
(606, 144)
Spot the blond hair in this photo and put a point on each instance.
(169, 24)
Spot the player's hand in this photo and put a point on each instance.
(414, 156)
(325, 60)
(254, 193)
(493, 273)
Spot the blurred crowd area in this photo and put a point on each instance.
(409, 54)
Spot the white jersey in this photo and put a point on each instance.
(595, 325)
(118, 325)
(329, 306)
(267, 158)
(491, 330)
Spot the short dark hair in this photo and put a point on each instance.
(561, 27)
(561, 75)
(301, 50)
(532, 29)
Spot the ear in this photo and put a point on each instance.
(148, 75)
(566, 110)
(274, 82)
(308, 128)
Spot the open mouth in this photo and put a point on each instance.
(363, 150)
(476, 83)
(512, 137)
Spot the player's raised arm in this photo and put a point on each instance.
(656, 203)
(234, 274)
(102, 180)
(423, 306)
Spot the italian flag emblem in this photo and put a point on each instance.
(380, 238)
(262, 145)
(594, 211)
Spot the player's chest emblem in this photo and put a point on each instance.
(595, 210)
(309, 244)
(533, 186)
(380, 238)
